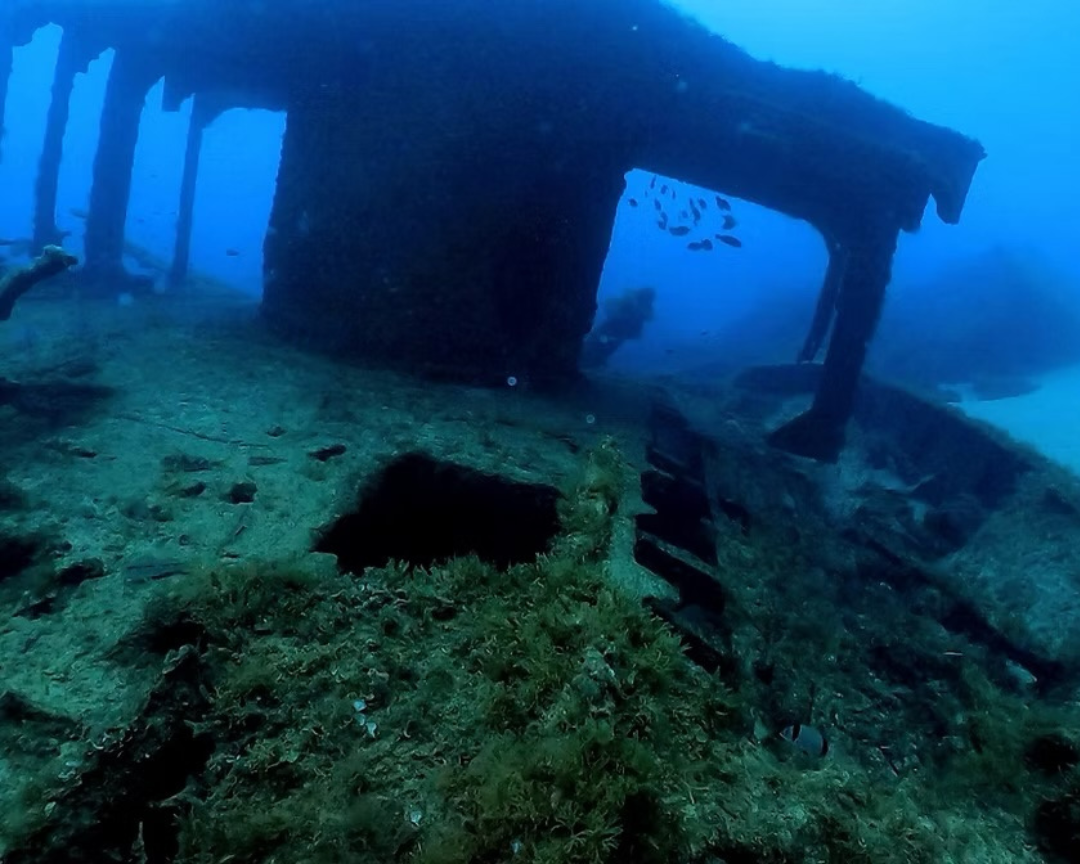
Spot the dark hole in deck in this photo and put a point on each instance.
(423, 511)
(16, 555)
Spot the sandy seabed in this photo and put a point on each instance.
(1048, 419)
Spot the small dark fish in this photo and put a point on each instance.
(652, 184)
(683, 214)
(657, 205)
(680, 230)
(707, 245)
(729, 222)
(633, 203)
(694, 246)
(262, 460)
(701, 203)
(722, 204)
(663, 189)
(325, 454)
(672, 194)
(808, 739)
(696, 212)
(729, 240)
(152, 569)
(661, 224)
(232, 253)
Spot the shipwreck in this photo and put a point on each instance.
(450, 170)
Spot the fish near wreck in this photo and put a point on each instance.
(691, 218)
(806, 739)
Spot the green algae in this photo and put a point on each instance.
(539, 713)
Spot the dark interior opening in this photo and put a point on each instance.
(423, 511)
(16, 555)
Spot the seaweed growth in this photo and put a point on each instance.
(450, 714)
(469, 712)
(472, 711)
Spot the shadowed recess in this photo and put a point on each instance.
(16, 555)
(423, 511)
(59, 402)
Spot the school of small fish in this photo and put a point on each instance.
(691, 218)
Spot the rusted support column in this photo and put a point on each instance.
(819, 433)
(201, 116)
(826, 305)
(73, 58)
(7, 51)
(131, 78)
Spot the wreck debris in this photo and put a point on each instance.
(52, 261)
